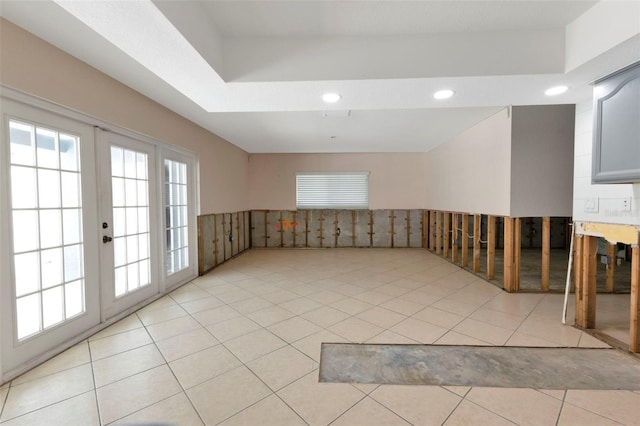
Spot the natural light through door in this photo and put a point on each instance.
(131, 236)
(176, 216)
(46, 213)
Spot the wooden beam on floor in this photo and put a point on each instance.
(476, 241)
(438, 233)
(491, 247)
(465, 241)
(611, 266)
(546, 252)
(634, 325)
(446, 234)
(586, 302)
(454, 237)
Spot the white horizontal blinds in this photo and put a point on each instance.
(332, 190)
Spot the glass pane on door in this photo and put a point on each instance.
(46, 212)
(176, 217)
(131, 234)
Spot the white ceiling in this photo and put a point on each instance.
(254, 72)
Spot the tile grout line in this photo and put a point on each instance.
(564, 396)
(93, 378)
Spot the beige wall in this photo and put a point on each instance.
(397, 181)
(542, 160)
(471, 172)
(32, 65)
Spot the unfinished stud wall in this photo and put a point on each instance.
(221, 237)
(336, 228)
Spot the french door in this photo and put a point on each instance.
(129, 216)
(49, 292)
(92, 223)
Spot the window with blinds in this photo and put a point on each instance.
(348, 190)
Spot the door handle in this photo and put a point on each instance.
(106, 239)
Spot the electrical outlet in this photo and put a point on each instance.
(591, 205)
(626, 204)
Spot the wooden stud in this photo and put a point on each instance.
(446, 231)
(476, 242)
(634, 324)
(454, 237)
(295, 228)
(577, 274)
(266, 233)
(517, 252)
(392, 217)
(335, 228)
(432, 231)
(438, 233)
(353, 227)
(546, 252)
(321, 229)
(424, 223)
(408, 220)
(611, 267)
(491, 247)
(586, 303)
(200, 247)
(281, 230)
(306, 228)
(370, 228)
(215, 239)
(465, 240)
(508, 254)
(224, 237)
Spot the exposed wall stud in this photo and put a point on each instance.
(611, 267)
(266, 224)
(578, 280)
(321, 229)
(353, 228)
(370, 228)
(546, 252)
(509, 284)
(392, 217)
(517, 252)
(295, 228)
(336, 227)
(465, 240)
(281, 230)
(476, 242)
(634, 325)
(306, 228)
(438, 232)
(454, 237)
(408, 220)
(491, 247)
(200, 247)
(425, 229)
(215, 239)
(586, 302)
(432, 230)
(446, 233)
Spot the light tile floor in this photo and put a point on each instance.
(241, 346)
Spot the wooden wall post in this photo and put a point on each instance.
(392, 218)
(454, 237)
(510, 283)
(546, 252)
(491, 247)
(476, 241)
(611, 267)
(438, 233)
(634, 325)
(465, 240)
(425, 229)
(586, 287)
(432, 230)
(446, 234)
(517, 252)
(200, 247)
(577, 274)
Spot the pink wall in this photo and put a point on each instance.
(34, 66)
(472, 172)
(397, 181)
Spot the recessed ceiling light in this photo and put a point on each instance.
(331, 98)
(443, 94)
(557, 90)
